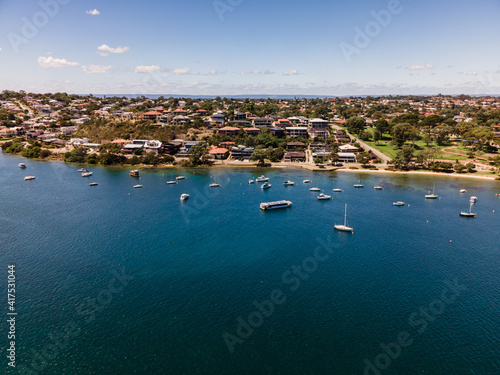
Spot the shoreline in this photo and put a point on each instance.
(308, 167)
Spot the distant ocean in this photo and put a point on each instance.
(117, 280)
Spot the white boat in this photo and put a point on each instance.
(266, 186)
(288, 183)
(468, 213)
(337, 190)
(214, 185)
(473, 199)
(431, 196)
(463, 191)
(378, 187)
(306, 181)
(184, 197)
(29, 178)
(22, 165)
(82, 170)
(86, 174)
(344, 227)
(262, 179)
(251, 181)
(314, 189)
(137, 186)
(398, 203)
(134, 173)
(93, 184)
(358, 185)
(323, 197)
(171, 182)
(180, 177)
(275, 205)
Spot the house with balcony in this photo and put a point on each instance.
(294, 157)
(229, 130)
(297, 131)
(259, 122)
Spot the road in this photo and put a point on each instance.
(376, 152)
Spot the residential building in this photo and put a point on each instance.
(347, 157)
(229, 130)
(294, 156)
(297, 131)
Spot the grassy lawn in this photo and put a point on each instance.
(390, 150)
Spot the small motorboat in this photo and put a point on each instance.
(337, 190)
(473, 199)
(81, 170)
(463, 191)
(314, 189)
(398, 203)
(180, 177)
(378, 187)
(262, 179)
(214, 185)
(22, 165)
(134, 173)
(184, 197)
(137, 186)
(171, 182)
(27, 178)
(93, 184)
(306, 181)
(251, 181)
(358, 185)
(265, 186)
(288, 183)
(86, 174)
(323, 197)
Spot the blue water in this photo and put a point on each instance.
(194, 268)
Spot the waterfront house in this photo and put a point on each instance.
(241, 152)
(155, 146)
(348, 148)
(294, 156)
(218, 153)
(346, 157)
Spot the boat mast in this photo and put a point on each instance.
(345, 215)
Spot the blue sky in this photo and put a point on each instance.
(224, 47)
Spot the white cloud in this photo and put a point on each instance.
(183, 71)
(292, 72)
(472, 73)
(0, 49)
(97, 69)
(146, 69)
(50, 62)
(257, 72)
(105, 50)
(93, 12)
(213, 73)
(420, 67)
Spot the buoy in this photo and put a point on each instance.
(450, 241)
(427, 221)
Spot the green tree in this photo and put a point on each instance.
(401, 133)
(356, 124)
